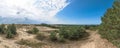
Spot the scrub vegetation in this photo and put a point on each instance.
(8, 30)
(110, 26)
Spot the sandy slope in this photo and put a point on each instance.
(93, 41)
(10, 43)
(22, 34)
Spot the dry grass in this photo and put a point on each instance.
(29, 43)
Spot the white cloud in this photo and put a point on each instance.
(17, 11)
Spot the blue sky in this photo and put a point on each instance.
(53, 11)
(84, 11)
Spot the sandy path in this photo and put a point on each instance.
(95, 41)
(10, 43)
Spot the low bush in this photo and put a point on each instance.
(30, 43)
(33, 31)
(61, 39)
(73, 33)
(9, 34)
(64, 33)
(11, 31)
(48, 25)
(69, 33)
(40, 36)
(2, 29)
(53, 36)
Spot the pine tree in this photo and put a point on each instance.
(110, 26)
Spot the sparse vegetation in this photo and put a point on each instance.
(33, 31)
(68, 33)
(53, 36)
(61, 39)
(29, 43)
(9, 34)
(48, 25)
(12, 28)
(2, 29)
(40, 36)
(9, 30)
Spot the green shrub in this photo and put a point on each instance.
(9, 34)
(73, 33)
(2, 29)
(33, 31)
(48, 25)
(29, 43)
(64, 33)
(11, 31)
(53, 36)
(61, 39)
(30, 31)
(40, 36)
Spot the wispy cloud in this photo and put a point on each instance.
(27, 11)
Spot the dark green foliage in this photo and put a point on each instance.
(33, 31)
(110, 26)
(32, 44)
(40, 36)
(61, 39)
(48, 25)
(9, 34)
(64, 33)
(53, 36)
(12, 28)
(87, 27)
(73, 33)
(2, 29)
(44, 24)
(30, 31)
(56, 38)
(11, 31)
